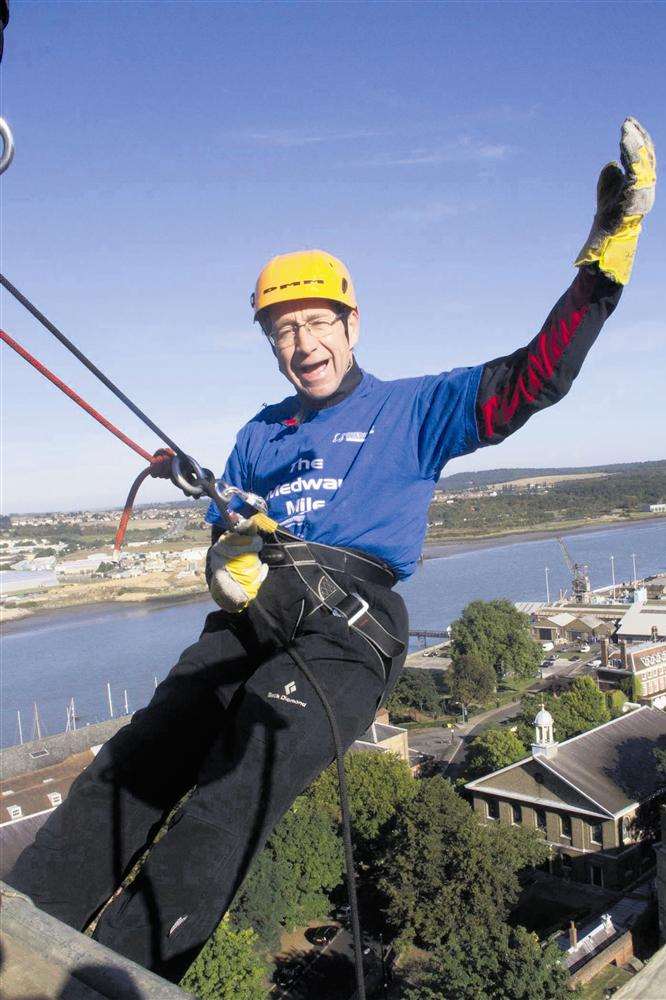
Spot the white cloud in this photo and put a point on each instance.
(293, 138)
(433, 211)
(463, 150)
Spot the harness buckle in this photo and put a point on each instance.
(365, 607)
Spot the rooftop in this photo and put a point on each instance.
(613, 765)
(39, 754)
(640, 619)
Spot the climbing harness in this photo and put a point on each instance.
(313, 562)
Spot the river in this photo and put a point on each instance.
(53, 657)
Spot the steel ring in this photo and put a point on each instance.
(7, 145)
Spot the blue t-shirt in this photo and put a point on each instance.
(360, 474)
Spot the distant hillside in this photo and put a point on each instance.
(565, 497)
(473, 480)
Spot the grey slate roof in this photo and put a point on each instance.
(614, 764)
(51, 750)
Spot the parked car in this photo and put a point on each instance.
(549, 662)
(594, 663)
(322, 935)
(547, 646)
(284, 976)
(583, 648)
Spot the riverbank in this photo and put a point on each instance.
(153, 589)
(449, 547)
(162, 589)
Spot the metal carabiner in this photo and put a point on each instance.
(7, 145)
(189, 476)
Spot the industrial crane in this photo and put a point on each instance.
(580, 579)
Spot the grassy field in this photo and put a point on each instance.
(610, 977)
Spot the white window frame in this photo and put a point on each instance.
(593, 827)
(55, 798)
(15, 812)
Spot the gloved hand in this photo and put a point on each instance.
(234, 571)
(623, 198)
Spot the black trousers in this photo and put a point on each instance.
(236, 721)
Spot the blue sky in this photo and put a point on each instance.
(447, 152)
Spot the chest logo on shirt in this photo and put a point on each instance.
(354, 437)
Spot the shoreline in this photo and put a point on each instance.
(455, 546)
(13, 626)
(26, 619)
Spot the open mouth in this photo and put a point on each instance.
(312, 373)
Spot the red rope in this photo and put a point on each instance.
(160, 468)
(160, 462)
(43, 370)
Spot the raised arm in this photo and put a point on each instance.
(514, 387)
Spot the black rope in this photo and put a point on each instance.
(34, 311)
(344, 802)
(288, 647)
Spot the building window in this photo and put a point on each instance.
(627, 832)
(492, 808)
(565, 826)
(55, 798)
(516, 813)
(15, 812)
(597, 876)
(540, 816)
(596, 833)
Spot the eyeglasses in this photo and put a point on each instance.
(285, 336)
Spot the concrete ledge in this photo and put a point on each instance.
(649, 983)
(44, 959)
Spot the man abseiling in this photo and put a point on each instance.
(348, 464)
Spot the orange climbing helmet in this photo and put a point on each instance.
(306, 274)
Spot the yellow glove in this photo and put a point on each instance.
(623, 198)
(234, 571)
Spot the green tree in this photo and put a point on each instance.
(615, 700)
(445, 871)
(581, 708)
(416, 689)
(471, 681)
(228, 967)
(489, 963)
(492, 750)
(378, 784)
(496, 633)
(632, 687)
(261, 903)
(660, 757)
(289, 882)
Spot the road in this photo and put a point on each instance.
(450, 745)
(327, 973)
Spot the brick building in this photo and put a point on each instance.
(644, 660)
(583, 795)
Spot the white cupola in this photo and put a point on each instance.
(544, 742)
